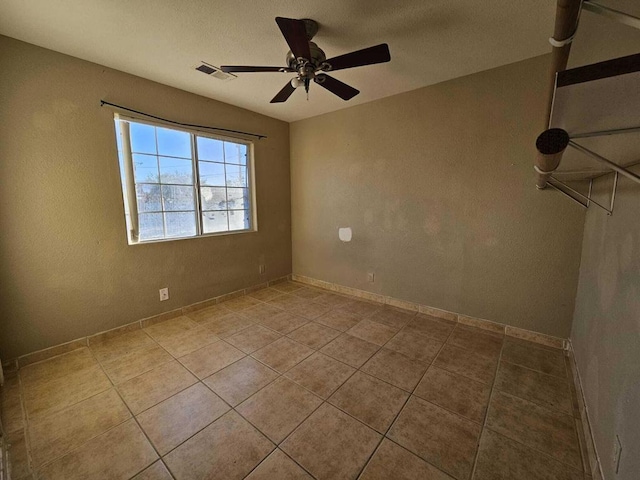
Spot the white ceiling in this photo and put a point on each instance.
(430, 41)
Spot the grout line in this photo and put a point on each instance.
(395, 419)
(486, 414)
(530, 369)
(540, 452)
(130, 412)
(323, 401)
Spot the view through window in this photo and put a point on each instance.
(180, 184)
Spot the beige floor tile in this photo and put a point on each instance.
(260, 312)
(170, 329)
(179, 417)
(320, 374)
(11, 405)
(157, 471)
(461, 395)
(546, 390)
(49, 396)
(240, 380)
(532, 356)
(228, 325)
(189, 341)
(477, 340)
(331, 445)
(121, 345)
(361, 308)
(537, 427)
(287, 302)
(392, 317)
(396, 369)
(228, 449)
(314, 335)
(265, 294)
(282, 354)
(308, 292)
(278, 466)
(391, 461)
(502, 459)
(210, 359)
(443, 439)
(339, 320)
(57, 367)
(350, 350)
(68, 429)
(287, 287)
(370, 400)
(310, 310)
(18, 455)
(373, 332)
(279, 408)
(283, 322)
(240, 303)
(136, 363)
(117, 454)
(332, 300)
(253, 338)
(467, 363)
(433, 327)
(415, 346)
(210, 313)
(154, 386)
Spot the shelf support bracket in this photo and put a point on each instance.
(588, 199)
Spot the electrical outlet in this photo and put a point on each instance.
(261, 269)
(164, 294)
(617, 452)
(371, 277)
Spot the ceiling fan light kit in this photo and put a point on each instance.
(310, 63)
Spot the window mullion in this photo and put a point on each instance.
(196, 185)
(226, 190)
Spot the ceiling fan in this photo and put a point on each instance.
(309, 62)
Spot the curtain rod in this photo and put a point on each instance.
(260, 137)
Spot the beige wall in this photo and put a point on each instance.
(606, 326)
(438, 187)
(66, 269)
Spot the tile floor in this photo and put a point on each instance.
(292, 382)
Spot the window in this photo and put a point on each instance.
(181, 184)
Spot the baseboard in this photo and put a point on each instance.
(81, 342)
(591, 459)
(508, 330)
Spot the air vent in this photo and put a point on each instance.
(214, 72)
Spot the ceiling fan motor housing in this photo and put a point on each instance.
(308, 66)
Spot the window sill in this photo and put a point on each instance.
(195, 237)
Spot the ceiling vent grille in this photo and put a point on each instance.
(214, 71)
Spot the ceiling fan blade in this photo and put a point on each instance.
(336, 87)
(284, 94)
(248, 69)
(295, 34)
(366, 56)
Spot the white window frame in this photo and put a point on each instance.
(129, 185)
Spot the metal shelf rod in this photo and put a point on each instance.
(613, 166)
(606, 132)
